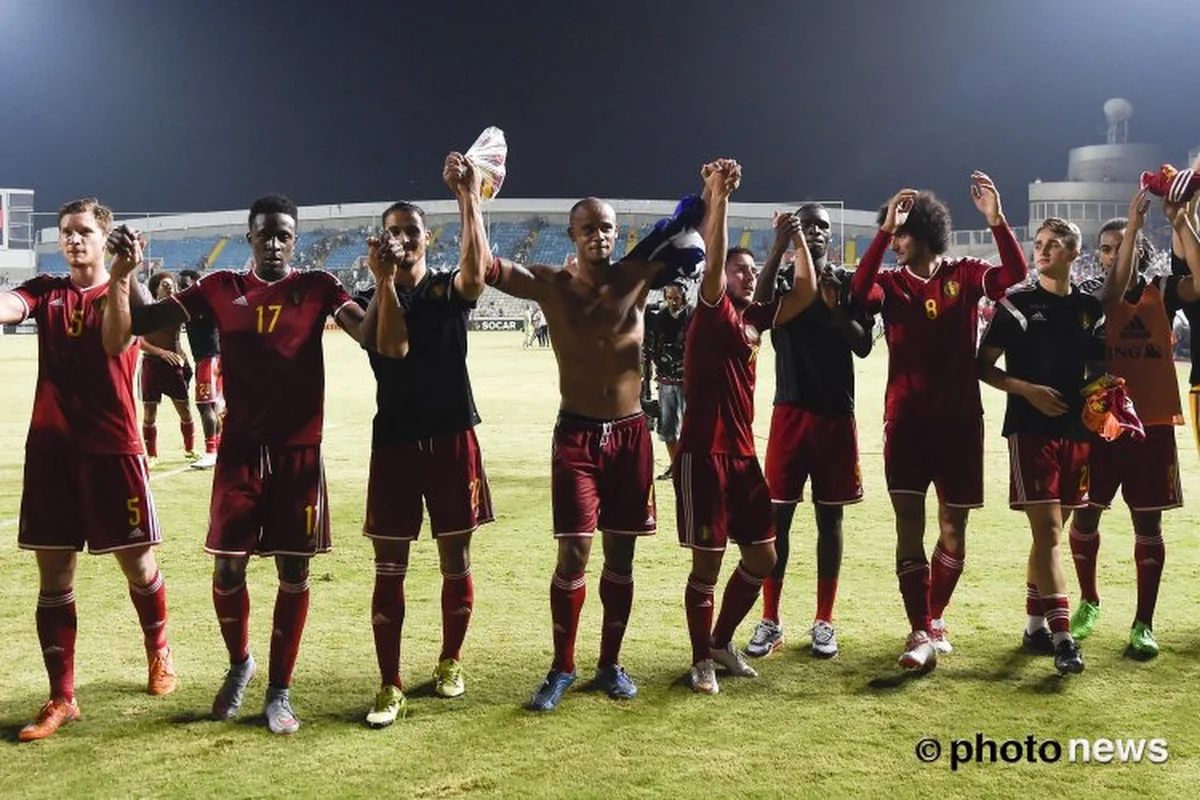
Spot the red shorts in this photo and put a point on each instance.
(101, 501)
(945, 452)
(1046, 469)
(824, 446)
(209, 386)
(719, 497)
(160, 378)
(1147, 471)
(446, 471)
(602, 476)
(269, 501)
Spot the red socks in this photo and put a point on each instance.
(567, 594)
(233, 615)
(458, 602)
(944, 573)
(291, 612)
(151, 605)
(56, 627)
(387, 620)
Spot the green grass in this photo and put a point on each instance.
(840, 728)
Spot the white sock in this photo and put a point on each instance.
(1061, 636)
(1033, 624)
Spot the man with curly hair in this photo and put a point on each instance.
(933, 419)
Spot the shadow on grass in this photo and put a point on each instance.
(9, 731)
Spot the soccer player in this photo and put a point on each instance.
(86, 481)
(666, 332)
(206, 351)
(812, 427)
(720, 491)
(1138, 339)
(268, 494)
(165, 371)
(602, 460)
(933, 420)
(1047, 334)
(424, 446)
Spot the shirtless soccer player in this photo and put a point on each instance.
(602, 460)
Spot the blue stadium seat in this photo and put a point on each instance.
(177, 254)
(52, 263)
(233, 256)
(552, 246)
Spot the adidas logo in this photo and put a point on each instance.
(1136, 329)
(241, 301)
(137, 533)
(1038, 317)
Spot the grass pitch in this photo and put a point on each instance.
(847, 727)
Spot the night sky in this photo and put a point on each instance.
(168, 106)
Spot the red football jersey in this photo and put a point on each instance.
(84, 399)
(271, 356)
(719, 359)
(931, 327)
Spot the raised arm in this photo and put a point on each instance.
(383, 327)
(1013, 267)
(804, 283)
(721, 177)
(518, 280)
(476, 255)
(868, 266)
(1185, 242)
(787, 228)
(1116, 282)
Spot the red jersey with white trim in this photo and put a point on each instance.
(271, 356)
(719, 360)
(931, 327)
(84, 399)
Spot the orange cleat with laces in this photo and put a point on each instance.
(52, 716)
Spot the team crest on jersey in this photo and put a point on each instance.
(1085, 320)
(100, 303)
(951, 289)
(437, 291)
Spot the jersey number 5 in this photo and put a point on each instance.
(267, 317)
